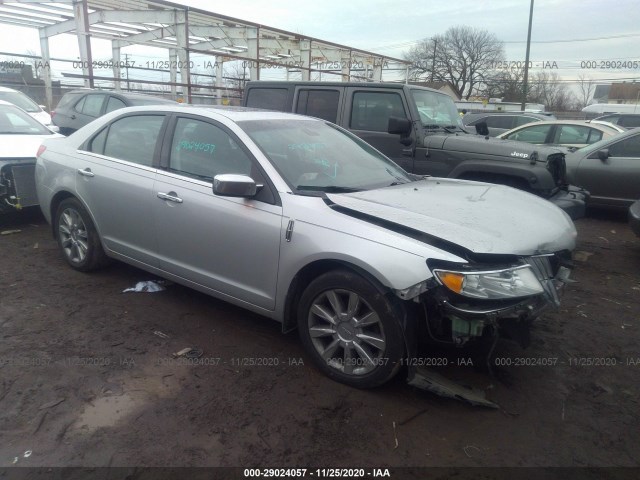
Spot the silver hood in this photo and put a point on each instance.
(481, 217)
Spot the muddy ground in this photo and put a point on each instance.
(85, 381)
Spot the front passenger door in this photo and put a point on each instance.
(225, 244)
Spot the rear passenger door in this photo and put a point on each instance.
(87, 109)
(498, 124)
(115, 173)
(367, 115)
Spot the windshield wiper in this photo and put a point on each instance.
(327, 188)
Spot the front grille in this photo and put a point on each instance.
(558, 168)
(24, 182)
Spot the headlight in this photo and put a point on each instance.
(490, 285)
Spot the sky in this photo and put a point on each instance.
(574, 34)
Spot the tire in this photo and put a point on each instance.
(77, 237)
(348, 328)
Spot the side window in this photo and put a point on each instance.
(500, 121)
(533, 134)
(93, 105)
(133, 138)
(319, 103)
(269, 98)
(114, 104)
(203, 150)
(572, 134)
(629, 121)
(629, 147)
(78, 106)
(371, 110)
(524, 120)
(594, 136)
(96, 145)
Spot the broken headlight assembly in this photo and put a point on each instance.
(507, 283)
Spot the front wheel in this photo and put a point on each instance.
(348, 328)
(77, 237)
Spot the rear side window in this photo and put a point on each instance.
(114, 104)
(500, 121)
(371, 110)
(269, 98)
(130, 138)
(629, 121)
(92, 105)
(573, 134)
(319, 103)
(524, 120)
(68, 99)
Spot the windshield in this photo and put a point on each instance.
(15, 121)
(316, 155)
(21, 100)
(436, 109)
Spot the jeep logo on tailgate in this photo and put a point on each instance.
(520, 155)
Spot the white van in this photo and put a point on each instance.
(25, 103)
(602, 108)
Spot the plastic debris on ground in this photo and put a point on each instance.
(149, 286)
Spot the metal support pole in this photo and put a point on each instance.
(526, 62)
(81, 16)
(219, 74)
(173, 72)
(115, 52)
(253, 53)
(46, 68)
(305, 57)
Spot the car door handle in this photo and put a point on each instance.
(171, 197)
(73, 117)
(86, 172)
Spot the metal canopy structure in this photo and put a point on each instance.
(184, 30)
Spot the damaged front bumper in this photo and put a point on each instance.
(17, 184)
(457, 319)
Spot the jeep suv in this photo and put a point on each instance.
(420, 129)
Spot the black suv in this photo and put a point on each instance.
(420, 129)
(500, 122)
(79, 107)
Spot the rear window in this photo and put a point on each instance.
(269, 98)
(21, 100)
(69, 98)
(629, 121)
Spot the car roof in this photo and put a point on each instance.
(116, 93)
(233, 113)
(7, 89)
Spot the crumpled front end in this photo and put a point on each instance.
(496, 301)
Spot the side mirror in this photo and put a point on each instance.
(402, 126)
(399, 125)
(53, 128)
(603, 154)
(234, 185)
(482, 129)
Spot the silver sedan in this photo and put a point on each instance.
(301, 221)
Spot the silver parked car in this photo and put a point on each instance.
(609, 169)
(299, 220)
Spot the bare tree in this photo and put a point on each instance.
(462, 56)
(547, 88)
(505, 84)
(586, 89)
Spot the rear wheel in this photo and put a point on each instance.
(77, 237)
(348, 328)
